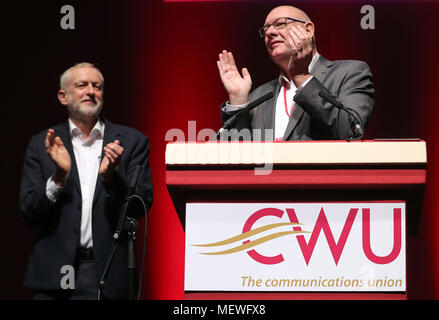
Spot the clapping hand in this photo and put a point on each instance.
(112, 157)
(56, 150)
(300, 43)
(237, 86)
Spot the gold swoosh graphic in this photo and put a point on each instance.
(254, 243)
(246, 234)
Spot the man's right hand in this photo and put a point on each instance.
(237, 86)
(60, 156)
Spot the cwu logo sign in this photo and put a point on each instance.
(361, 242)
(307, 247)
(322, 226)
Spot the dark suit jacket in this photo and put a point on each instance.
(313, 117)
(59, 223)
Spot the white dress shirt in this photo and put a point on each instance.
(88, 159)
(281, 116)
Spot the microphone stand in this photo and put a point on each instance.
(228, 123)
(130, 226)
(354, 118)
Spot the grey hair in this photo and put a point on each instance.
(65, 77)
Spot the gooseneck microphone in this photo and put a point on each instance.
(227, 124)
(131, 190)
(354, 118)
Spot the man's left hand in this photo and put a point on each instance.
(301, 54)
(112, 158)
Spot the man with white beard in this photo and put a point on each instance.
(75, 178)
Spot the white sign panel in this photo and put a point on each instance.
(295, 246)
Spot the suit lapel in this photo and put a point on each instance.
(110, 134)
(321, 68)
(268, 114)
(64, 134)
(294, 120)
(319, 71)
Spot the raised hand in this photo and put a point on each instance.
(301, 46)
(237, 86)
(113, 155)
(60, 156)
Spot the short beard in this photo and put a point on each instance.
(76, 111)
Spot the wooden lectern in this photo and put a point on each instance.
(298, 172)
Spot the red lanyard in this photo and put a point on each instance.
(285, 102)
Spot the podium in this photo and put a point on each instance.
(297, 220)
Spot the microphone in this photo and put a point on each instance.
(227, 124)
(131, 190)
(354, 118)
(134, 181)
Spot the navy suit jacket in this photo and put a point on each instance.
(313, 117)
(59, 223)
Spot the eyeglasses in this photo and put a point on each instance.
(278, 24)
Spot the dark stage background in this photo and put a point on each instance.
(159, 63)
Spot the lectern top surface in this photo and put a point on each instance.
(297, 153)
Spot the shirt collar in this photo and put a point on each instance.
(283, 78)
(96, 133)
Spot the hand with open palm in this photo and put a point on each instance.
(237, 86)
(56, 150)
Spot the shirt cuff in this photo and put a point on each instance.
(52, 190)
(231, 108)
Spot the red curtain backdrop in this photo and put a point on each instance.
(159, 62)
(176, 47)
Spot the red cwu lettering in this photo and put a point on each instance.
(322, 224)
(397, 236)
